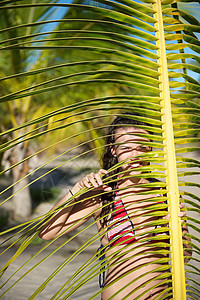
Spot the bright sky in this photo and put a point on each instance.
(59, 12)
(55, 14)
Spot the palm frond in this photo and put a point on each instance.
(63, 80)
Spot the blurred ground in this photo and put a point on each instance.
(64, 178)
(27, 286)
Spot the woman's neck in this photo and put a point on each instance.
(131, 181)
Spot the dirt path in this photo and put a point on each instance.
(27, 286)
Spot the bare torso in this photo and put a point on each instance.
(127, 264)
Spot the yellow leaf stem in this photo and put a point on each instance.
(177, 260)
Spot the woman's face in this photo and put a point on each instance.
(127, 147)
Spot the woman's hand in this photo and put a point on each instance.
(62, 220)
(92, 180)
(186, 239)
(181, 214)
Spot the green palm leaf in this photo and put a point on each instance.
(63, 79)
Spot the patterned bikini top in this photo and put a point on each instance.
(120, 227)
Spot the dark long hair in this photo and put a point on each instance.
(109, 161)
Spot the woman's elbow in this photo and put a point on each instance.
(46, 236)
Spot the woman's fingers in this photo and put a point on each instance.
(85, 182)
(167, 217)
(103, 171)
(98, 179)
(107, 188)
(94, 179)
(181, 214)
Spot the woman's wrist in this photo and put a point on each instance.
(71, 192)
(72, 195)
(76, 188)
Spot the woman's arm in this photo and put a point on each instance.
(55, 225)
(76, 213)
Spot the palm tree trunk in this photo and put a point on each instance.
(22, 205)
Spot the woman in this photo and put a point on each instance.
(121, 206)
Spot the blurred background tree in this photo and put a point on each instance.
(72, 82)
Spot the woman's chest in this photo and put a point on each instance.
(136, 206)
(131, 218)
